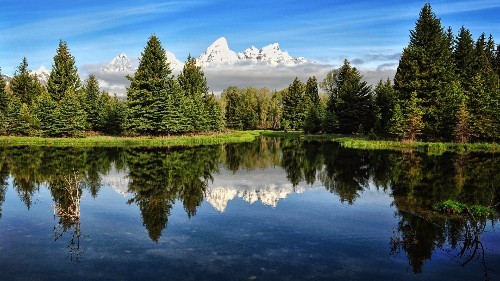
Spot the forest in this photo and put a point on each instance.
(446, 88)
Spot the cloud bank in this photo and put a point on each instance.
(245, 74)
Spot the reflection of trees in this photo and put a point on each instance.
(67, 194)
(159, 177)
(4, 175)
(346, 172)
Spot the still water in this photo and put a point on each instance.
(268, 210)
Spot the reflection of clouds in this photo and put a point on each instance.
(266, 186)
(243, 74)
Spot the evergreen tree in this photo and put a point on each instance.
(275, 111)
(414, 122)
(214, 113)
(426, 68)
(464, 57)
(351, 101)
(314, 119)
(231, 96)
(69, 117)
(462, 126)
(92, 102)
(44, 110)
(311, 92)
(64, 75)
(194, 84)
(148, 98)
(294, 111)
(384, 100)
(4, 99)
(397, 122)
(24, 85)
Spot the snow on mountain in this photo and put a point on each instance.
(42, 74)
(175, 64)
(119, 64)
(268, 195)
(249, 54)
(273, 55)
(217, 53)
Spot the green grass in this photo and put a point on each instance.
(347, 141)
(109, 141)
(451, 207)
(363, 142)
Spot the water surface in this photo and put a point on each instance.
(268, 210)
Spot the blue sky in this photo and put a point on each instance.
(367, 32)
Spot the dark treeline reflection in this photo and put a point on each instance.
(161, 176)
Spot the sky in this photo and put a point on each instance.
(371, 34)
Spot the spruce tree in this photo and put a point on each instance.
(294, 111)
(69, 117)
(4, 99)
(148, 98)
(44, 109)
(384, 100)
(351, 101)
(64, 75)
(464, 57)
(426, 68)
(462, 130)
(194, 84)
(24, 85)
(397, 122)
(92, 102)
(414, 122)
(311, 92)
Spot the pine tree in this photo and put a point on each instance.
(64, 75)
(426, 68)
(397, 122)
(464, 57)
(44, 110)
(294, 105)
(231, 96)
(150, 97)
(4, 99)
(351, 101)
(92, 102)
(69, 117)
(311, 93)
(462, 127)
(24, 85)
(384, 100)
(194, 84)
(414, 122)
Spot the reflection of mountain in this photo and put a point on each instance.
(267, 186)
(117, 180)
(268, 195)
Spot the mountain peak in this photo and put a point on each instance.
(217, 53)
(42, 74)
(121, 63)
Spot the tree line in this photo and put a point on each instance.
(446, 87)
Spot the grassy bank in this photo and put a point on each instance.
(347, 141)
(109, 141)
(363, 142)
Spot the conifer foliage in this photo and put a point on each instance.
(64, 77)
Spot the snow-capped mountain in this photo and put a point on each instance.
(219, 53)
(175, 64)
(119, 64)
(42, 74)
(268, 195)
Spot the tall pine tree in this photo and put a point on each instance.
(151, 108)
(426, 68)
(64, 75)
(464, 57)
(294, 105)
(24, 85)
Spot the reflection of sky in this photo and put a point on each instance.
(306, 236)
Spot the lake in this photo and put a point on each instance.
(272, 209)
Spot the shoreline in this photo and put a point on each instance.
(346, 141)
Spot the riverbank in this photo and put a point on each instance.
(118, 141)
(347, 141)
(363, 142)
